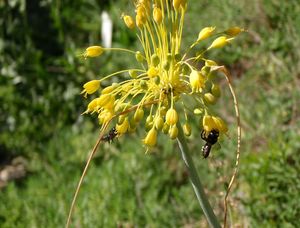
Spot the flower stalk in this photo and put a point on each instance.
(196, 183)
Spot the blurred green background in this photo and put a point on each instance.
(44, 141)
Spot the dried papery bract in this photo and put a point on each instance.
(157, 92)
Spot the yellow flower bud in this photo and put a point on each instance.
(139, 20)
(187, 130)
(196, 81)
(157, 15)
(149, 123)
(143, 7)
(163, 111)
(209, 98)
(138, 115)
(173, 132)
(210, 63)
(122, 128)
(171, 117)
(90, 87)
(205, 70)
(155, 60)
(165, 128)
(205, 33)
(220, 124)
(139, 57)
(234, 31)
(121, 118)
(215, 90)
(132, 126)
(220, 42)
(156, 80)
(129, 21)
(149, 119)
(198, 111)
(93, 51)
(151, 137)
(140, 17)
(152, 72)
(131, 129)
(144, 84)
(132, 73)
(159, 123)
(140, 9)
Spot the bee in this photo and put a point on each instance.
(110, 136)
(210, 140)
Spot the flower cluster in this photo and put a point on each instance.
(167, 89)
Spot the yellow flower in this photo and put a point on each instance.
(90, 87)
(103, 100)
(214, 123)
(93, 51)
(109, 89)
(151, 137)
(205, 33)
(105, 116)
(220, 42)
(215, 90)
(92, 106)
(159, 123)
(208, 123)
(209, 62)
(138, 115)
(220, 124)
(196, 81)
(171, 117)
(122, 128)
(140, 18)
(110, 104)
(173, 132)
(209, 98)
(187, 130)
(178, 3)
(234, 31)
(163, 77)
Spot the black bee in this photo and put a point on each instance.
(210, 140)
(110, 136)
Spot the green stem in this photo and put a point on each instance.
(197, 186)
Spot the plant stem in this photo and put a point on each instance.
(197, 186)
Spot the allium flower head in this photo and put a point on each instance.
(167, 85)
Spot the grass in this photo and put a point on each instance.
(125, 187)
